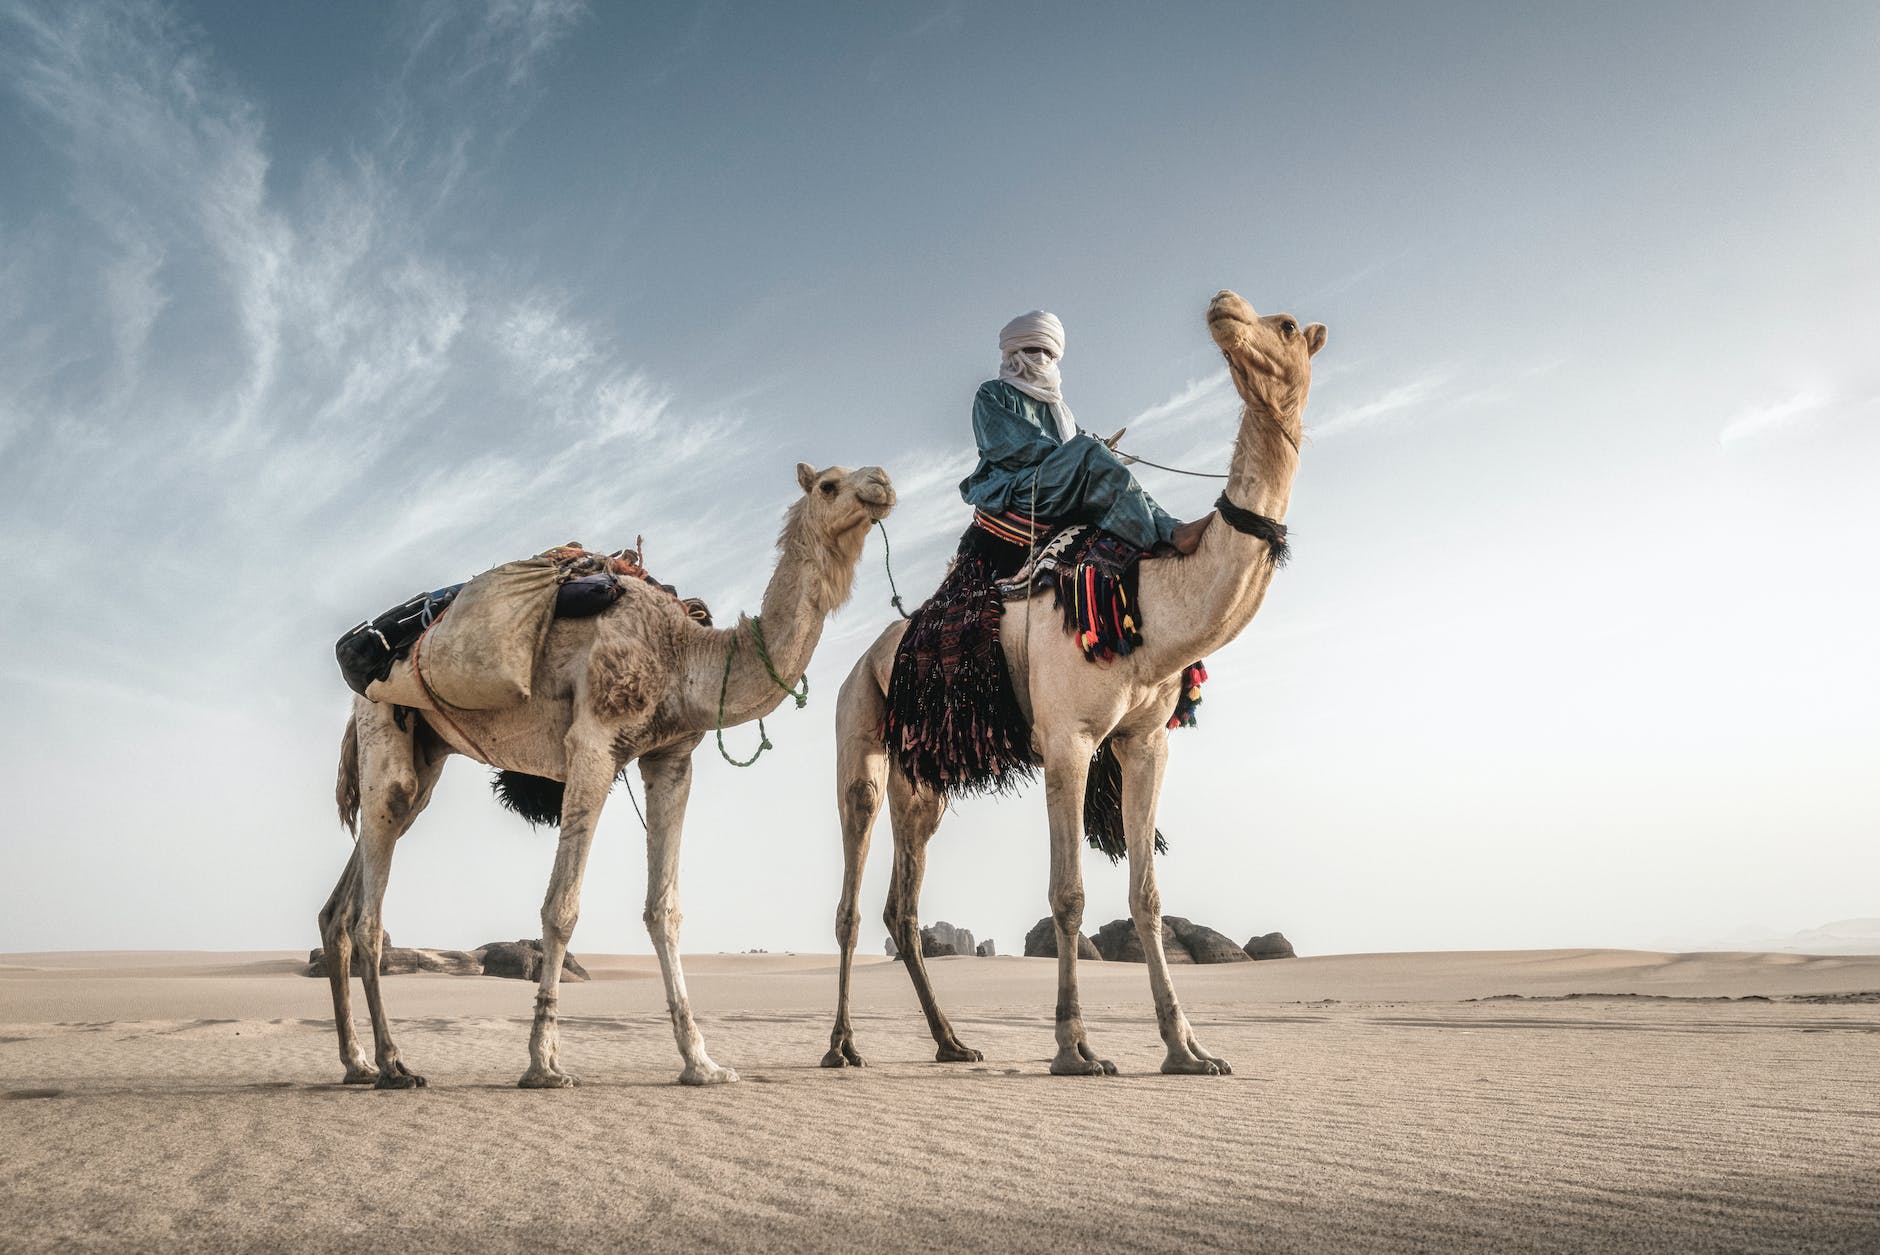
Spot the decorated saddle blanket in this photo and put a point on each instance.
(954, 724)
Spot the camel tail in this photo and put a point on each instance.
(1103, 806)
(346, 792)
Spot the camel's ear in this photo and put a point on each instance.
(1315, 338)
(806, 475)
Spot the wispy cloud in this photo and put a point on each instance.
(251, 370)
(1764, 420)
(1399, 401)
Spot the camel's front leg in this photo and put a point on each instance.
(591, 769)
(668, 778)
(1143, 761)
(1066, 767)
(861, 770)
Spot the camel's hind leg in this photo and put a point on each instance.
(915, 814)
(336, 936)
(861, 774)
(1143, 760)
(668, 780)
(396, 775)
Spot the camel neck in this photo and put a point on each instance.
(807, 584)
(1199, 603)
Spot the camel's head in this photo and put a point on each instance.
(828, 526)
(837, 501)
(1269, 358)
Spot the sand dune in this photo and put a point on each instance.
(187, 1100)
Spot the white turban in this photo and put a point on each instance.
(1038, 380)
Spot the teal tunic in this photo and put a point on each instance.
(1076, 481)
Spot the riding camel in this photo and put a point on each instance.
(1196, 605)
(641, 682)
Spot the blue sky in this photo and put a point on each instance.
(306, 307)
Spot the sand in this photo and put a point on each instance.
(188, 1101)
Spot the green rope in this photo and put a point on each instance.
(763, 655)
(724, 689)
(887, 562)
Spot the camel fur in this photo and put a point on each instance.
(640, 682)
(1198, 603)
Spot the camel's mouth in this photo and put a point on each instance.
(875, 492)
(1228, 307)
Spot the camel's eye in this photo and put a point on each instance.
(829, 488)
(1289, 328)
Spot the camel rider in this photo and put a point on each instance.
(1034, 463)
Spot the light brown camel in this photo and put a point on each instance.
(639, 682)
(1192, 606)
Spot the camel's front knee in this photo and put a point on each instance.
(848, 926)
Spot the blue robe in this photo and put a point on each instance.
(1077, 481)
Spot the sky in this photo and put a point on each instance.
(307, 307)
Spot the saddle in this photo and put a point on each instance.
(483, 655)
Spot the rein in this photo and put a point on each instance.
(724, 689)
(887, 563)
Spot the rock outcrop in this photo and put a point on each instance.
(987, 950)
(942, 938)
(1183, 941)
(1041, 942)
(1203, 944)
(1118, 943)
(522, 960)
(939, 940)
(1270, 946)
(399, 961)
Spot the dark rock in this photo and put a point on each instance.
(1041, 942)
(394, 961)
(986, 949)
(1118, 943)
(1203, 944)
(522, 960)
(1270, 946)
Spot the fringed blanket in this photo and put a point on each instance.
(954, 724)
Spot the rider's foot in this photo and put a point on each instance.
(1187, 537)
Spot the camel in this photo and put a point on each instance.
(640, 682)
(1193, 606)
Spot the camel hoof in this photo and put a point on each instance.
(957, 1053)
(1188, 1065)
(1072, 1063)
(361, 1076)
(709, 1075)
(546, 1078)
(398, 1078)
(844, 1056)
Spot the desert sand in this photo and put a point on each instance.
(1378, 1102)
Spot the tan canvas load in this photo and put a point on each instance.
(481, 654)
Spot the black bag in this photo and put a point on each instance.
(589, 595)
(368, 651)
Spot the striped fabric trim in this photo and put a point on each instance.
(1013, 527)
